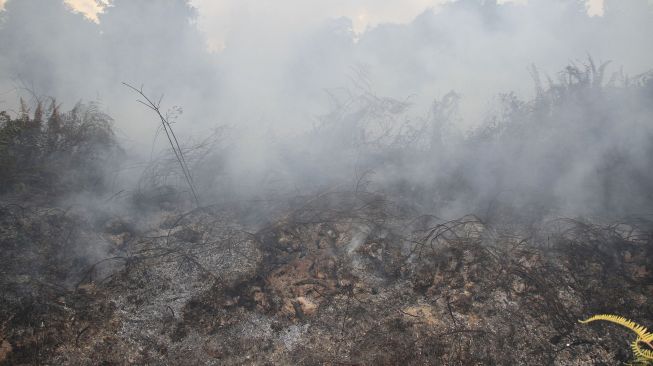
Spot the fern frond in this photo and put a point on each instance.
(641, 331)
(642, 355)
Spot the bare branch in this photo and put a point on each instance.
(172, 138)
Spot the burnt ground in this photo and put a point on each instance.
(337, 279)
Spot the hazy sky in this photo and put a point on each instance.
(217, 17)
(363, 13)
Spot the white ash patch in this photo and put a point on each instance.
(292, 335)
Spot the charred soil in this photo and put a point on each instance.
(339, 279)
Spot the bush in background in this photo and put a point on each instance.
(54, 152)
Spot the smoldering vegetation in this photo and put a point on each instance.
(383, 234)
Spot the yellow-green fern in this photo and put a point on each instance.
(644, 337)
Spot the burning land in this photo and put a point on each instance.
(336, 277)
(342, 278)
(389, 232)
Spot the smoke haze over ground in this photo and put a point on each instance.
(324, 182)
(273, 75)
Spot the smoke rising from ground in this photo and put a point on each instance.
(312, 102)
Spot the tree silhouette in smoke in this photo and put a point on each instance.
(44, 43)
(156, 43)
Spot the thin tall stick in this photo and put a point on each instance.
(172, 138)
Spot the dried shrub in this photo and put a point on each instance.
(56, 152)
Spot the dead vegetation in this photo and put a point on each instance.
(46, 150)
(340, 278)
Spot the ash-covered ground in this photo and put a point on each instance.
(341, 278)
